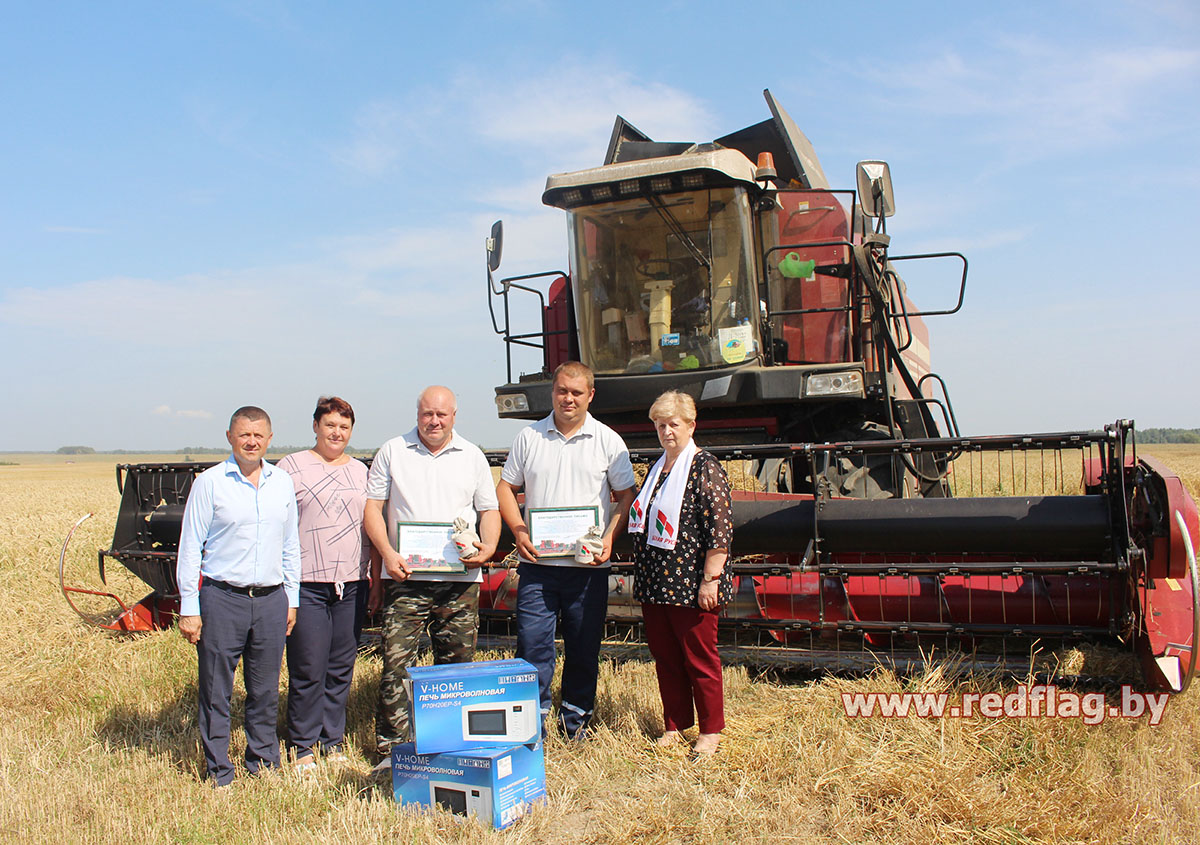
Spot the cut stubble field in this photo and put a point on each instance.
(98, 740)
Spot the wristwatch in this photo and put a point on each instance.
(710, 578)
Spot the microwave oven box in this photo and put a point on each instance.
(460, 706)
(496, 785)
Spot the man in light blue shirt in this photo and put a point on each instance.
(239, 587)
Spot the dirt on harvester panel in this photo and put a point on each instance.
(867, 527)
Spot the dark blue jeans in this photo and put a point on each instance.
(580, 597)
(236, 626)
(320, 659)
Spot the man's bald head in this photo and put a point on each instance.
(436, 392)
(436, 407)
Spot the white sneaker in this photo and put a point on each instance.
(382, 770)
(305, 766)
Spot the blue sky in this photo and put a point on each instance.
(214, 204)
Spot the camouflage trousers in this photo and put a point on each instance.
(450, 610)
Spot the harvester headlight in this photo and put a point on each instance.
(660, 184)
(834, 384)
(508, 403)
(573, 197)
(628, 187)
(602, 192)
(693, 180)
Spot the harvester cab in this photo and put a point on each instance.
(732, 271)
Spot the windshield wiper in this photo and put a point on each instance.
(677, 231)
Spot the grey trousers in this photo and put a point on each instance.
(239, 627)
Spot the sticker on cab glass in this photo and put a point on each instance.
(735, 343)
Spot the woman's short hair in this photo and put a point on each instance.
(333, 405)
(674, 404)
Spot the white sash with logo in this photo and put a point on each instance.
(663, 529)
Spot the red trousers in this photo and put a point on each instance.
(683, 642)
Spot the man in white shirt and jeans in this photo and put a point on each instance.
(434, 475)
(567, 460)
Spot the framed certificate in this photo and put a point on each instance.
(554, 531)
(427, 547)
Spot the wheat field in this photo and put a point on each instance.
(98, 740)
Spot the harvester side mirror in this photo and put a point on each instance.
(495, 244)
(875, 189)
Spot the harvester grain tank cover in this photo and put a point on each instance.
(795, 159)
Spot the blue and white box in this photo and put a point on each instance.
(461, 706)
(496, 785)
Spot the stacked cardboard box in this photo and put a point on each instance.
(477, 741)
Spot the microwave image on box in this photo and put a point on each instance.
(502, 721)
(462, 799)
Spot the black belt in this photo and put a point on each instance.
(253, 592)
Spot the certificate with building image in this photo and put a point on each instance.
(554, 531)
(428, 547)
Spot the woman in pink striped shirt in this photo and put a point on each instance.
(334, 586)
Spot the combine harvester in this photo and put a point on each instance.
(866, 527)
